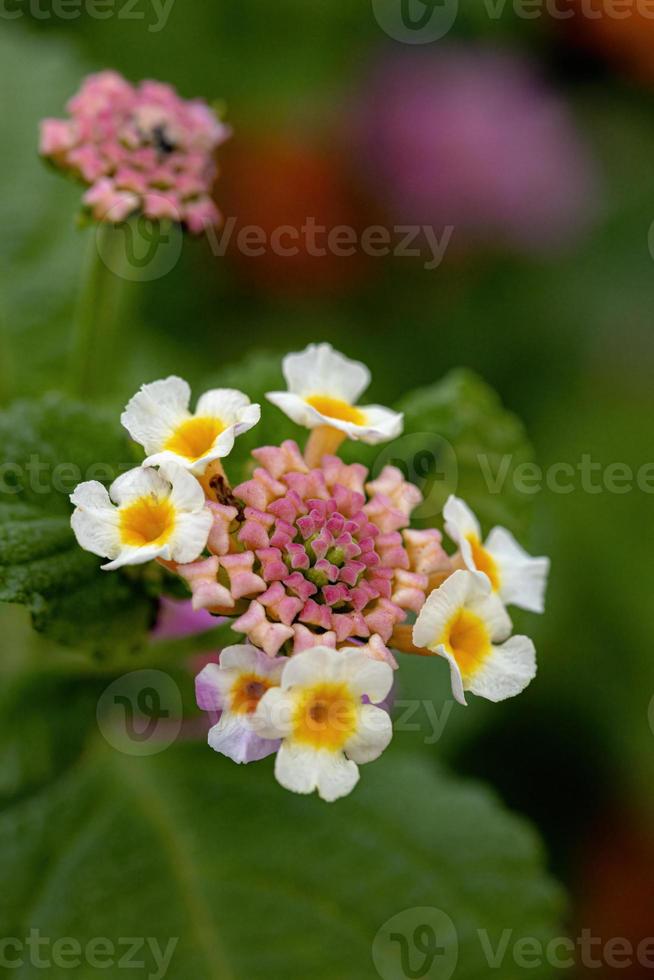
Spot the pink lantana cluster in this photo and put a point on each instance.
(139, 149)
(316, 555)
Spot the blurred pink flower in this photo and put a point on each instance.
(472, 137)
(139, 148)
(179, 618)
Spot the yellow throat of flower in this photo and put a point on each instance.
(195, 437)
(484, 561)
(335, 408)
(325, 716)
(147, 521)
(467, 639)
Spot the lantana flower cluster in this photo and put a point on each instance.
(138, 149)
(316, 564)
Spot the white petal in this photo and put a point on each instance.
(137, 556)
(274, 715)
(320, 370)
(455, 676)
(337, 776)
(310, 667)
(137, 483)
(492, 611)
(212, 686)
(233, 737)
(297, 767)
(374, 733)
(226, 404)
(247, 659)
(507, 672)
(303, 770)
(93, 496)
(189, 538)
(460, 524)
(186, 493)
(362, 674)
(155, 412)
(296, 408)
(382, 424)
(523, 579)
(95, 523)
(456, 592)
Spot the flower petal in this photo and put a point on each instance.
(189, 539)
(95, 521)
(303, 770)
(523, 578)
(507, 672)
(373, 735)
(363, 675)
(235, 738)
(319, 369)
(455, 593)
(137, 483)
(311, 666)
(462, 527)
(274, 714)
(155, 411)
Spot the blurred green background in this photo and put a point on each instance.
(561, 329)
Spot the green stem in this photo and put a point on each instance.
(98, 312)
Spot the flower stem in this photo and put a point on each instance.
(98, 311)
(323, 441)
(402, 640)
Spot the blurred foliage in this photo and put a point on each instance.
(214, 869)
(48, 447)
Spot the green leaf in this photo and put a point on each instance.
(255, 882)
(458, 438)
(48, 447)
(41, 256)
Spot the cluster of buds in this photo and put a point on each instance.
(138, 149)
(316, 565)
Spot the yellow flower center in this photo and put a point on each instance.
(147, 521)
(247, 692)
(484, 562)
(326, 716)
(468, 640)
(335, 408)
(195, 437)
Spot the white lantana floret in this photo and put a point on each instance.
(319, 714)
(518, 579)
(159, 419)
(465, 622)
(145, 514)
(324, 387)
